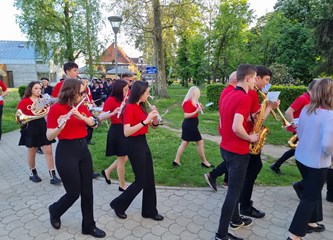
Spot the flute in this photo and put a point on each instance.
(200, 108)
(122, 105)
(159, 118)
(69, 114)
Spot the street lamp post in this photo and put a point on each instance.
(115, 23)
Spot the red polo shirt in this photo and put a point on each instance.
(74, 128)
(110, 105)
(133, 114)
(25, 105)
(298, 104)
(235, 102)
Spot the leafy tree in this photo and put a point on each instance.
(318, 15)
(228, 35)
(61, 29)
(183, 63)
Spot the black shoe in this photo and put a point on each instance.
(96, 232)
(275, 169)
(157, 217)
(108, 181)
(175, 164)
(55, 180)
(55, 221)
(228, 237)
(243, 222)
(35, 178)
(319, 228)
(298, 189)
(95, 175)
(119, 214)
(252, 212)
(121, 189)
(206, 166)
(211, 181)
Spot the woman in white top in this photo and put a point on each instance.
(313, 158)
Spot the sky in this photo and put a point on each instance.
(10, 30)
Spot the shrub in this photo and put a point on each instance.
(21, 90)
(287, 94)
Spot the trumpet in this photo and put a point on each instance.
(69, 114)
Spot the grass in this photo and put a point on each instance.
(164, 144)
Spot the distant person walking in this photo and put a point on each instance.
(190, 130)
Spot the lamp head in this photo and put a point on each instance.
(115, 23)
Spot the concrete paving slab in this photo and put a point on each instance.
(190, 213)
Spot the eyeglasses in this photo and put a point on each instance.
(82, 93)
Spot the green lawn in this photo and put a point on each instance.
(164, 144)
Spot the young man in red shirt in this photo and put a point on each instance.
(255, 164)
(222, 168)
(235, 114)
(71, 70)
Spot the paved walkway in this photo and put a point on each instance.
(190, 213)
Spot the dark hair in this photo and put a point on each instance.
(44, 78)
(263, 71)
(127, 75)
(70, 65)
(138, 88)
(28, 90)
(117, 90)
(243, 70)
(69, 91)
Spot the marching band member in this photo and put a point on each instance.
(313, 158)
(292, 113)
(116, 143)
(235, 112)
(255, 164)
(190, 131)
(68, 120)
(33, 134)
(136, 122)
(71, 70)
(222, 167)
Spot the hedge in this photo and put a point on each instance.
(287, 94)
(21, 90)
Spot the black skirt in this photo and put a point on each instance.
(33, 134)
(190, 131)
(116, 141)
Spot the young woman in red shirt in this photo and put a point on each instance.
(68, 120)
(190, 131)
(33, 134)
(116, 142)
(136, 122)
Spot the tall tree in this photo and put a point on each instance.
(228, 35)
(319, 16)
(61, 29)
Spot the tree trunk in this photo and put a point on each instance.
(161, 84)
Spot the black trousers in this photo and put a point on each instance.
(74, 165)
(139, 155)
(90, 131)
(310, 209)
(237, 166)
(219, 171)
(1, 111)
(288, 154)
(252, 172)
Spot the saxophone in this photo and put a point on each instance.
(259, 127)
